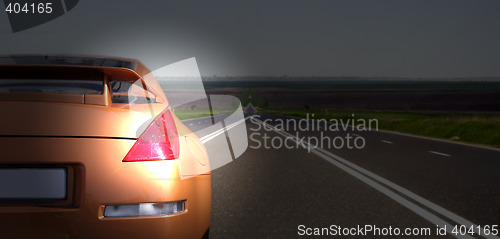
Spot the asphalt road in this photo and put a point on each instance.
(393, 182)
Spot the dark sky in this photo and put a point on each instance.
(448, 38)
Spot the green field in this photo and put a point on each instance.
(466, 110)
(197, 113)
(477, 128)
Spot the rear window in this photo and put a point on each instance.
(53, 83)
(64, 86)
(58, 80)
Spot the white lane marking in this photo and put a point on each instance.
(188, 120)
(438, 153)
(190, 124)
(376, 182)
(216, 133)
(212, 135)
(440, 140)
(385, 141)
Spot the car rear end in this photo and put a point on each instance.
(95, 152)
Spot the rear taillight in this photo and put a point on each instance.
(160, 141)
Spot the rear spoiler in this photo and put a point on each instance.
(105, 74)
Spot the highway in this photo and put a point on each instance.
(395, 182)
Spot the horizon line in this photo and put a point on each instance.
(348, 77)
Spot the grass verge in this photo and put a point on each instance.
(199, 113)
(477, 128)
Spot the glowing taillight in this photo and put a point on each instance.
(160, 141)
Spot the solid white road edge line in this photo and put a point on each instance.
(216, 133)
(351, 169)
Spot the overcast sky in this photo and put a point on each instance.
(418, 38)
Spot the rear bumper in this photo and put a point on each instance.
(107, 181)
(86, 222)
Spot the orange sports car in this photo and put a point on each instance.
(91, 149)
